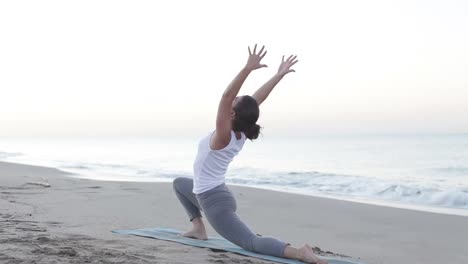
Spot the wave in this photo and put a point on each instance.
(91, 165)
(407, 191)
(355, 187)
(121, 172)
(452, 170)
(5, 155)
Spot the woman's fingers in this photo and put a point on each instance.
(285, 66)
(255, 57)
(260, 53)
(261, 50)
(255, 50)
(291, 58)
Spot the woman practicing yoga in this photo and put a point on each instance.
(235, 121)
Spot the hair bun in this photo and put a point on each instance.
(253, 131)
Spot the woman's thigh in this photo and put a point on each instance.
(220, 211)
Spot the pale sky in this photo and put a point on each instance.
(159, 67)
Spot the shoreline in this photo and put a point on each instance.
(383, 203)
(71, 220)
(350, 170)
(360, 200)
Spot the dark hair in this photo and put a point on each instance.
(247, 112)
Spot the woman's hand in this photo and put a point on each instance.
(253, 62)
(285, 66)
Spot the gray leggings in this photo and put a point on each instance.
(219, 206)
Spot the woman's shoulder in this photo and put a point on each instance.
(210, 136)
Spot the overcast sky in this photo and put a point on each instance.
(159, 67)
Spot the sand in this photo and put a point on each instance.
(70, 222)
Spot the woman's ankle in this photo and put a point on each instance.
(292, 253)
(197, 223)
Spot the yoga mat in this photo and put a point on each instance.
(218, 243)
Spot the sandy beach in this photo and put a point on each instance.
(71, 221)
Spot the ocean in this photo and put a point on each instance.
(422, 172)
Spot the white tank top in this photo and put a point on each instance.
(211, 165)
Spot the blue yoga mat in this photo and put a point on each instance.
(170, 234)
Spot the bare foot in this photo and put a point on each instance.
(197, 234)
(306, 254)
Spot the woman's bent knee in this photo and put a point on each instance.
(175, 183)
(179, 181)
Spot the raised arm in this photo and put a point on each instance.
(222, 135)
(285, 67)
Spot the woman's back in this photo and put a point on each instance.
(210, 165)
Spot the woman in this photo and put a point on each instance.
(235, 121)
